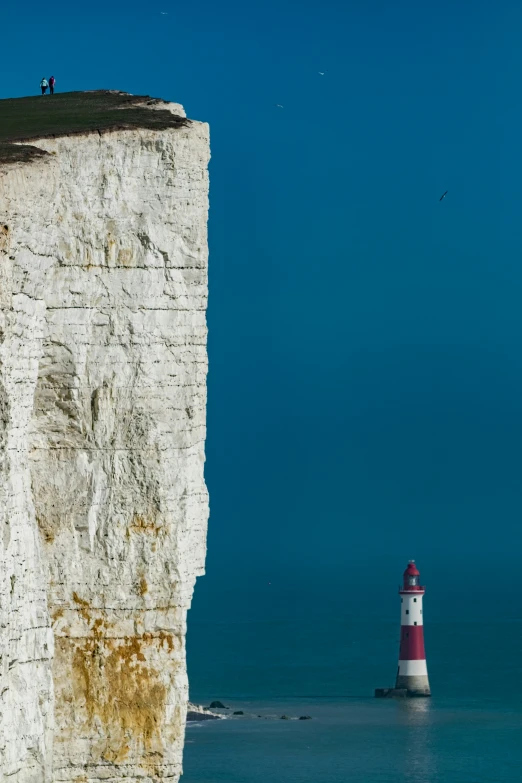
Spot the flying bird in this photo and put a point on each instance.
(164, 13)
(279, 106)
(443, 195)
(321, 73)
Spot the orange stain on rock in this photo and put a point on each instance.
(115, 690)
(145, 525)
(120, 691)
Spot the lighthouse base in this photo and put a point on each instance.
(417, 684)
(400, 693)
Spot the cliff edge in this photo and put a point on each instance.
(103, 504)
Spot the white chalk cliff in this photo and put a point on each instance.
(103, 504)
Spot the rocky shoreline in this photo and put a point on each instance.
(195, 712)
(218, 711)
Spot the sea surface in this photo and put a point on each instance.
(284, 648)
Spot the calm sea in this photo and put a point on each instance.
(287, 648)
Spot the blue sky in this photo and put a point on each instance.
(365, 387)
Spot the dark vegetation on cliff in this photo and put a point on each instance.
(63, 114)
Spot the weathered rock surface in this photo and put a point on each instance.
(103, 505)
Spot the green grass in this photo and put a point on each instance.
(23, 119)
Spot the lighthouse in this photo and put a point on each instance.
(412, 674)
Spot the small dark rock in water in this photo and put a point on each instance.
(305, 717)
(217, 705)
(285, 717)
(238, 712)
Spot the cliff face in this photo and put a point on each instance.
(103, 505)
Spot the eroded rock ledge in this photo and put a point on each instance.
(103, 512)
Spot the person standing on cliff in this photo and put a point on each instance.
(44, 84)
(52, 82)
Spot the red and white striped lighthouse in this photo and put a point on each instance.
(412, 673)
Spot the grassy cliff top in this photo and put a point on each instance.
(62, 114)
